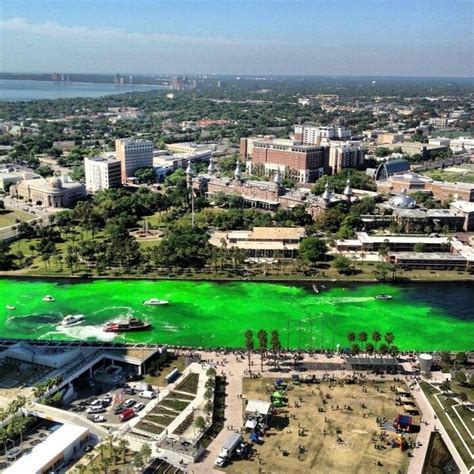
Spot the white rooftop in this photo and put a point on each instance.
(464, 206)
(258, 406)
(49, 449)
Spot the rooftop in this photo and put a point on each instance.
(463, 206)
(49, 449)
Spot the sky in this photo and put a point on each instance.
(254, 37)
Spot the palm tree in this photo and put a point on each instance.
(275, 344)
(105, 463)
(262, 345)
(389, 338)
(376, 336)
(351, 337)
(363, 337)
(123, 445)
(249, 344)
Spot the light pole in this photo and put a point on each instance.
(189, 182)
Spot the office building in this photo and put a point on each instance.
(102, 173)
(133, 154)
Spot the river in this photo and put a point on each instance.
(15, 90)
(430, 316)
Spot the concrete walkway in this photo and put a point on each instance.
(416, 463)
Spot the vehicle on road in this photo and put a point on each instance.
(233, 441)
(96, 418)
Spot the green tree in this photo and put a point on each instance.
(342, 264)
(200, 423)
(146, 175)
(363, 337)
(460, 377)
(376, 337)
(146, 452)
(249, 345)
(262, 337)
(389, 338)
(312, 249)
(351, 337)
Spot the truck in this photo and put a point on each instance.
(147, 394)
(233, 441)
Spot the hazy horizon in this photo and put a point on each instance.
(342, 38)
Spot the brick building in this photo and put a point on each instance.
(302, 163)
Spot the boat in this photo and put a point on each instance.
(48, 298)
(10, 307)
(155, 302)
(383, 297)
(72, 320)
(127, 325)
(315, 288)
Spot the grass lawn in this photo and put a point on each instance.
(447, 413)
(354, 454)
(8, 217)
(159, 381)
(450, 176)
(438, 456)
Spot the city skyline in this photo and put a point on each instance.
(272, 37)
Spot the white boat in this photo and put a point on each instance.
(10, 307)
(72, 320)
(383, 297)
(48, 298)
(155, 302)
(315, 288)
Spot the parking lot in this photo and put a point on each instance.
(113, 391)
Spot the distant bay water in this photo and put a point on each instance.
(16, 90)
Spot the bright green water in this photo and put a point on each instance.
(217, 314)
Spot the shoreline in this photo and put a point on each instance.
(297, 279)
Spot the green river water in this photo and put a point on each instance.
(435, 316)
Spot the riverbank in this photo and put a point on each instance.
(420, 276)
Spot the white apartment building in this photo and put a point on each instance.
(102, 173)
(309, 134)
(133, 154)
(345, 155)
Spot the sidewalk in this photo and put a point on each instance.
(416, 464)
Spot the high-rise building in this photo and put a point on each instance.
(102, 173)
(345, 155)
(309, 134)
(133, 154)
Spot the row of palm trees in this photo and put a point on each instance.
(376, 337)
(262, 336)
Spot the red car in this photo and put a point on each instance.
(127, 414)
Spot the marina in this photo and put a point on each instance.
(209, 314)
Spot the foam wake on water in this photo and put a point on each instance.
(83, 333)
(347, 299)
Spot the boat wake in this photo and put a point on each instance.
(347, 299)
(83, 333)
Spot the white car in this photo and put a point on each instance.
(93, 410)
(139, 406)
(97, 418)
(129, 403)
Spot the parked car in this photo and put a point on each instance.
(129, 403)
(118, 409)
(139, 406)
(130, 391)
(127, 414)
(97, 409)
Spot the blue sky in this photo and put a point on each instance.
(317, 37)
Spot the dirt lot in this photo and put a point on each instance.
(355, 453)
